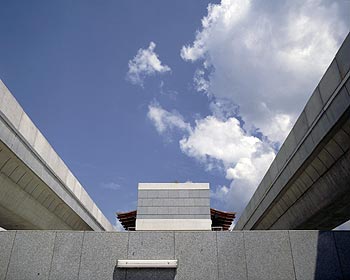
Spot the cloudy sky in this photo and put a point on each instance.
(164, 91)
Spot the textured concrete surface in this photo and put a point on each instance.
(306, 186)
(268, 255)
(231, 256)
(151, 245)
(201, 255)
(6, 241)
(66, 255)
(197, 255)
(324, 259)
(31, 255)
(342, 242)
(100, 253)
(43, 180)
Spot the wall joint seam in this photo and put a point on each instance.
(13, 244)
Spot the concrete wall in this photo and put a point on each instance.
(26, 157)
(201, 255)
(171, 206)
(306, 186)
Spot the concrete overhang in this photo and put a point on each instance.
(307, 184)
(37, 190)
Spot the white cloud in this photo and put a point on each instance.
(266, 57)
(224, 141)
(243, 157)
(246, 176)
(200, 83)
(111, 186)
(166, 121)
(259, 63)
(222, 144)
(145, 63)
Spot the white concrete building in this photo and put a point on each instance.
(173, 206)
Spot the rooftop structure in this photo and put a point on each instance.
(221, 220)
(175, 206)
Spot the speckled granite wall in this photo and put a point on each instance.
(200, 255)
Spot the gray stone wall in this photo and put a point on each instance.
(173, 204)
(200, 255)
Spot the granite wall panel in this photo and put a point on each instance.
(31, 255)
(6, 244)
(147, 246)
(314, 255)
(66, 255)
(268, 255)
(342, 242)
(201, 255)
(196, 253)
(343, 57)
(101, 250)
(231, 256)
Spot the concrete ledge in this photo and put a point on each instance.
(172, 186)
(173, 224)
(147, 263)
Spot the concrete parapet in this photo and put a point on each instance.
(201, 255)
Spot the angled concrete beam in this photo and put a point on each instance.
(307, 185)
(37, 189)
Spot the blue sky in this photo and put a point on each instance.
(158, 91)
